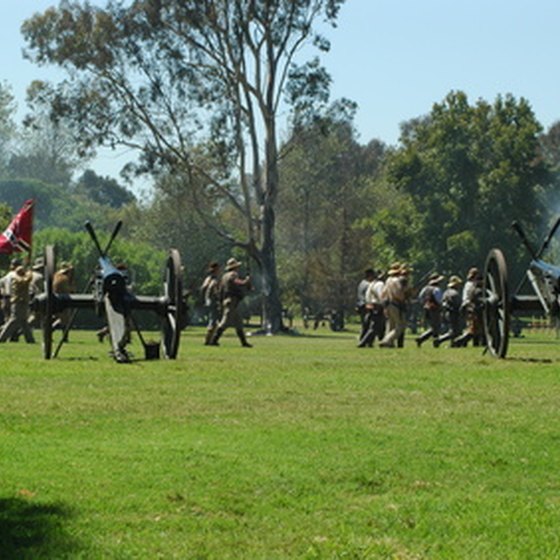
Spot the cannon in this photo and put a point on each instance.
(109, 294)
(498, 306)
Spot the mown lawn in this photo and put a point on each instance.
(302, 447)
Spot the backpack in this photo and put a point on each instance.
(429, 298)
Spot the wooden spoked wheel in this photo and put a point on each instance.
(496, 311)
(48, 310)
(173, 296)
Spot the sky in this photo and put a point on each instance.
(394, 58)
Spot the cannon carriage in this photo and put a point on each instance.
(499, 306)
(108, 293)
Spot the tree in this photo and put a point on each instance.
(103, 190)
(196, 86)
(324, 197)
(8, 130)
(45, 150)
(169, 220)
(466, 172)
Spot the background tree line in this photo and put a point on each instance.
(199, 101)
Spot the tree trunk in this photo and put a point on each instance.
(272, 306)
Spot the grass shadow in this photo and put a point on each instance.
(32, 530)
(531, 360)
(79, 359)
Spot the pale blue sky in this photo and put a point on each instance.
(395, 58)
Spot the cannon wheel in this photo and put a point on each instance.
(496, 310)
(47, 318)
(173, 294)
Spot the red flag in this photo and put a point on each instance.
(17, 237)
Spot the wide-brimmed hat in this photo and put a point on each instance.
(454, 281)
(472, 273)
(214, 265)
(65, 267)
(394, 270)
(232, 264)
(39, 263)
(15, 263)
(435, 279)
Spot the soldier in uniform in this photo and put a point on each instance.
(232, 289)
(63, 283)
(394, 297)
(211, 294)
(472, 308)
(430, 297)
(361, 307)
(36, 287)
(5, 287)
(408, 291)
(375, 313)
(19, 306)
(451, 305)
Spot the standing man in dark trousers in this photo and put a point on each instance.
(430, 297)
(211, 294)
(361, 308)
(451, 305)
(233, 289)
(375, 313)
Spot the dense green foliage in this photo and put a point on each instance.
(461, 176)
(144, 262)
(303, 447)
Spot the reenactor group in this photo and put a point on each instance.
(18, 287)
(452, 311)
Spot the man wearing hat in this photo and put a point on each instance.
(394, 296)
(63, 283)
(451, 305)
(210, 291)
(19, 306)
(472, 308)
(430, 297)
(232, 289)
(36, 287)
(5, 283)
(361, 303)
(375, 313)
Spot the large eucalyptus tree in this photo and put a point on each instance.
(196, 86)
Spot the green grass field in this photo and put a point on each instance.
(302, 447)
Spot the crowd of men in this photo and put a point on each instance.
(452, 311)
(18, 287)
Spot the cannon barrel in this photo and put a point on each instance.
(113, 280)
(545, 269)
